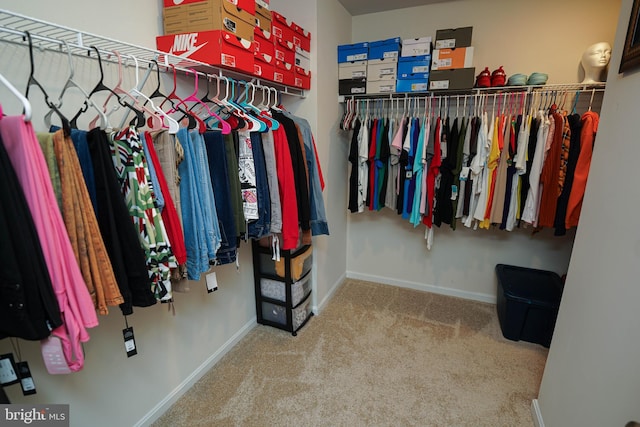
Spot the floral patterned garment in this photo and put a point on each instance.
(133, 174)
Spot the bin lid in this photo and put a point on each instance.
(529, 285)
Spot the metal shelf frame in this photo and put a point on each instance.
(54, 37)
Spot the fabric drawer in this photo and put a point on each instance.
(275, 289)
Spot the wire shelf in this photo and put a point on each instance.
(45, 35)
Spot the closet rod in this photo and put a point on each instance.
(598, 87)
(13, 26)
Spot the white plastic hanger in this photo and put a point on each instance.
(25, 102)
(155, 112)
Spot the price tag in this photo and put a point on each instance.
(454, 192)
(393, 54)
(421, 69)
(8, 373)
(129, 342)
(212, 282)
(416, 87)
(26, 380)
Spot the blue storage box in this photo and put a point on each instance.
(414, 67)
(413, 85)
(383, 49)
(353, 52)
(528, 302)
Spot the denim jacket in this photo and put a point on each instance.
(319, 223)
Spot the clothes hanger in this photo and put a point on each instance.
(66, 127)
(70, 83)
(575, 102)
(270, 123)
(157, 117)
(593, 92)
(249, 107)
(226, 127)
(158, 94)
(193, 120)
(154, 123)
(139, 118)
(26, 105)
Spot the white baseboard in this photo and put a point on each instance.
(536, 414)
(329, 295)
(476, 296)
(183, 387)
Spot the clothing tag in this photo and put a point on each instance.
(26, 380)
(212, 282)
(129, 342)
(464, 173)
(454, 192)
(53, 356)
(408, 174)
(8, 374)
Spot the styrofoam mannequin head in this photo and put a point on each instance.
(594, 60)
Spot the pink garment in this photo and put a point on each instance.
(78, 312)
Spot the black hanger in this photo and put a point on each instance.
(157, 94)
(139, 119)
(66, 127)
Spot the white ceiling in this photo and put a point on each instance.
(361, 7)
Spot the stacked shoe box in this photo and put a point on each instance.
(352, 68)
(413, 65)
(216, 32)
(265, 60)
(452, 60)
(285, 53)
(302, 58)
(382, 66)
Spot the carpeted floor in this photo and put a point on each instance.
(376, 356)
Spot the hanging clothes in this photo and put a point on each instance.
(300, 174)
(82, 225)
(29, 305)
(73, 297)
(129, 163)
(214, 143)
(272, 181)
(572, 156)
(120, 238)
(551, 175)
(287, 190)
(318, 217)
(354, 159)
(589, 129)
(169, 213)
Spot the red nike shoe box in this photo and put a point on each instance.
(211, 47)
(285, 51)
(263, 42)
(264, 67)
(301, 37)
(284, 74)
(302, 78)
(281, 27)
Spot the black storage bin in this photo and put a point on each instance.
(528, 301)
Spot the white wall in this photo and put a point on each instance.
(173, 351)
(330, 25)
(543, 36)
(592, 376)
(547, 36)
